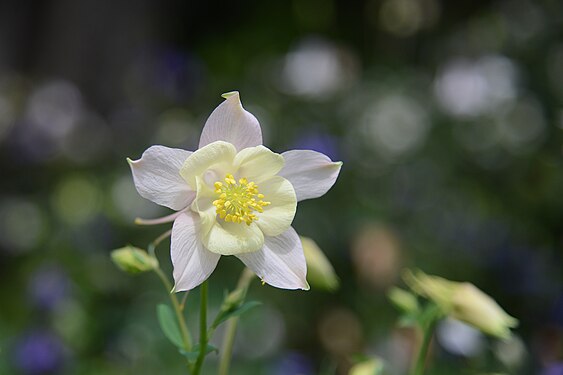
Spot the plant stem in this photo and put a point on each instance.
(157, 241)
(229, 338)
(184, 298)
(202, 329)
(184, 332)
(428, 332)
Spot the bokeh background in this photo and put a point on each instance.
(448, 116)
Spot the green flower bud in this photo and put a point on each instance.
(133, 260)
(403, 300)
(464, 302)
(320, 272)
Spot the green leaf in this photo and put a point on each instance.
(237, 311)
(192, 355)
(169, 325)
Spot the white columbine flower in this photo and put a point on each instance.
(234, 197)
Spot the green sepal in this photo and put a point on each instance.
(429, 314)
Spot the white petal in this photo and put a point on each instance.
(258, 163)
(228, 238)
(215, 157)
(192, 262)
(311, 173)
(157, 177)
(281, 262)
(230, 122)
(277, 217)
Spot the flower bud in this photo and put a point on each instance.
(464, 302)
(474, 307)
(403, 300)
(320, 272)
(373, 366)
(133, 260)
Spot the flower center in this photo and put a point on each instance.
(238, 201)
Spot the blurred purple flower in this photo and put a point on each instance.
(321, 142)
(39, 352)
(554, 369)
(48, 287)
(294, 364)
(557, 312)
(523, 270)
(174, 74)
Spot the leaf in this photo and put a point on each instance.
(169, 325)
(228, 314)
(192, 355)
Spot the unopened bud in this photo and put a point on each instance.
(373, 366)
(403, 300)
(320, 272)
(476, 308)
(464, 302)
(133, 260)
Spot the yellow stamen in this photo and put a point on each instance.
(238, 201)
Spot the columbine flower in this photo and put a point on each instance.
(234, 197)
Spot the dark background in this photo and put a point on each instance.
(448, 117)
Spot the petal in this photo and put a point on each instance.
(281, 262)
(228, 238)
(230, 122)
(311, 173)
(258, 163)
(215, 157)
(192, 262)
(203, 205)
(277, 216)
(157, 178)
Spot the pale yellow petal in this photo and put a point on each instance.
(233, 238)
(258, 163)
(215, 157)
(278, 216)
(203, 206)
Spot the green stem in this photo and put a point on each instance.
(157, 241)
(420, 364)
(184, 332)
(202, 329)
(184, 298)
(229, 338)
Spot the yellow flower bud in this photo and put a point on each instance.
(464, 302)
(320, 272)
(133, 260)
(373, 366)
